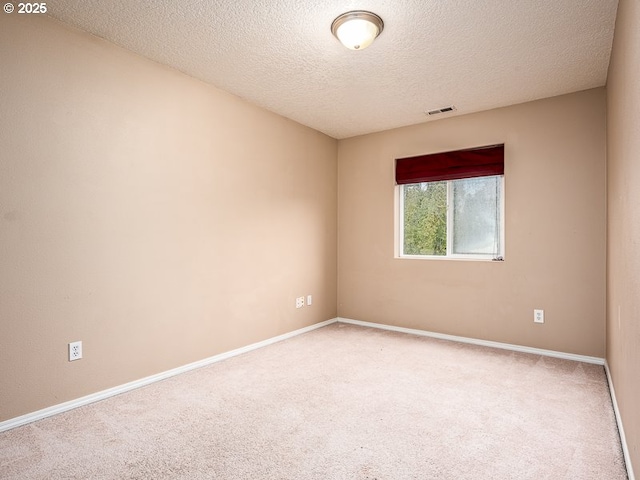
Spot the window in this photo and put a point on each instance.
(460, 218)
(459, 214)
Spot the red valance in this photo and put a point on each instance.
(473, 162)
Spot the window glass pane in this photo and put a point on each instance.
(425, 218)
(476, 215)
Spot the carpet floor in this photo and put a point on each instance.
(340, 402)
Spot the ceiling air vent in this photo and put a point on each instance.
(450, 108)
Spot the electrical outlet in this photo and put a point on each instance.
(538, 316)
(309, 299)
(299, 302)
(75, 351)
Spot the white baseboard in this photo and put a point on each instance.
(474, 341)
(95, 397)
(623, 439)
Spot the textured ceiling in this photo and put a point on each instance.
(280, 54)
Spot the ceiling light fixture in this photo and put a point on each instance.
(357, 29)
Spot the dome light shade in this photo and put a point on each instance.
(358, 29)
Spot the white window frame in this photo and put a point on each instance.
(449, 255)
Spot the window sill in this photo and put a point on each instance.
(440, 258)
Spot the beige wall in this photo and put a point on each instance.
(153, 217)
(623, 246)
(555, 230)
